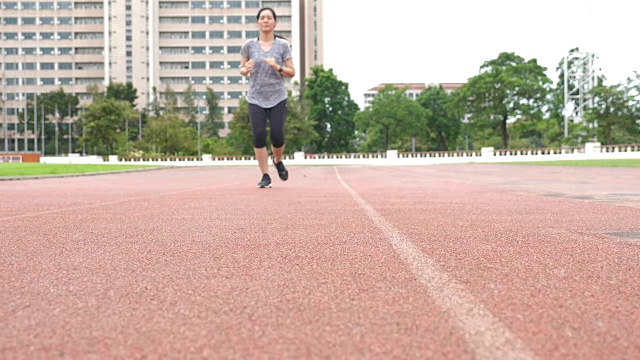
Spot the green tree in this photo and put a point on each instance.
(191, 108)
(122, 92)
(104, 122)
(613, 116)
(240, 138)
(54, 107)
(170, 104)
(391, 120)
(299, 128)
(508, 88)
(170, 135)
(155, 106)
(332, 110)
(214, 114)
(442, 123)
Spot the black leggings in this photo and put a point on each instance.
(277, 116)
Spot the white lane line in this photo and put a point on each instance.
(487, 336)
(88, 206)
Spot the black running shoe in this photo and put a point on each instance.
(265, 182)
(282, 171)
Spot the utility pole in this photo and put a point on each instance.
(70, 125)
(5, 127)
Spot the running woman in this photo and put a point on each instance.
(267, 61)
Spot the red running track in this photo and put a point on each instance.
(437, 262)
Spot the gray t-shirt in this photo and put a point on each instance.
(266, 85)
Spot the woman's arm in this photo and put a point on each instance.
(246, 66)
(288, 69)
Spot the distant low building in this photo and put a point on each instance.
(413, 90)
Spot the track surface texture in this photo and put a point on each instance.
(432, 262)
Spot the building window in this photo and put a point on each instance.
(216, 19)
(47, 81)
(217, 79)
(174, 65)
(88, 51)
(216, 65)
(234, 49)
(199, 35)
(235, 79)
(65, 66)
(65, 5)
(10, 51)
(234, 64)
(28, 5)
(88, 21)
(10, 36)
(10, 5)
(216, 35)
(174, 50)
(199, 80)
(11, 66)
(89, 36)
(277, 4)
(174, 20)
(198, 4)
(65, 35)
(216, 4)
(47, 66)
(234, 4)
(216, 49)
(29, 36)
(28, 21)
(88, 5)
(29, 66)
(28, 51)
(252, 4)
(65, 20)
(234, 19)
(46, 5)
(199, 50)
(174, 35)
(198, 20)
(89, 81)
(46, 36)
(235, 94)
(199, 65)
(10, 21)
(252, 34)
(234, 34)
(90, 66)
(46, 20)
(173, 5)
(65, 51)
(65, 81)
(47, 51)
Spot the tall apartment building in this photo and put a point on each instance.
(153, 44)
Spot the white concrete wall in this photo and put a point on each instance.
(591, 151)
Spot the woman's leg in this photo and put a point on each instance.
(258, 117)
(277, 120)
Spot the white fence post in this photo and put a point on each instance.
(590, 148)
(486, 152)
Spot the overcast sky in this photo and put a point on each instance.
(369, 42)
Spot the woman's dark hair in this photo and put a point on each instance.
(267, 8)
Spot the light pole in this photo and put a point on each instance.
(70, 125)
(5, 126)
(198, 137)
(126, 127)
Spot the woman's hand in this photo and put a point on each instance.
(272, 62)
(249, 66)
